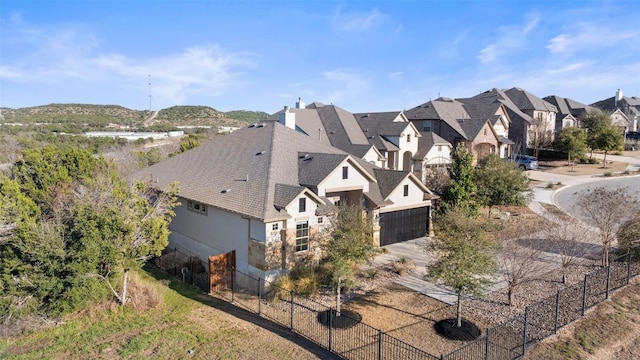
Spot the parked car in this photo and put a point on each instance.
(526, 162)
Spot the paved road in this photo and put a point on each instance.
(568, 197)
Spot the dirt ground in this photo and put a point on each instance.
(561, 166)
(609, 331)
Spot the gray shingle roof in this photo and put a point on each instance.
(444, 109)
(525, 100)
(238, 172)
(499, 96)
(427, 141)
(388, 180)
(567, 106)
(314, 167)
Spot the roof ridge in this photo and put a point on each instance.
(269, 169)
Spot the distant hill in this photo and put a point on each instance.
(102, 115)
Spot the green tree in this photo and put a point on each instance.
(349, 243)
(465, 256)
(67, 230)
(501, 183)
(594, 122)
(573, 141)
(461, 188)
(609, 139)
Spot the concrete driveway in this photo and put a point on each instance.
(415, 249)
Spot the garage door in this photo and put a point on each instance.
(403, 225)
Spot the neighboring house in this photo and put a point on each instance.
(451, 121)
(433, 152)
(570, 112)
(496, 114)
(395, 137)
(265, 191)
(385, 139)
(628, 106)
(330, 124)
(620, 121)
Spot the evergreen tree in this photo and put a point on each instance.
(461, 189)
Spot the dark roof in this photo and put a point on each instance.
(443, 109)
(525, 100)
(472, 127)
(499, 96)
(427, 141)
(567, 106)
(239, 172)
(627, 104)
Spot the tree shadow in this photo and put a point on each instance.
(576, 249)
(193, 293)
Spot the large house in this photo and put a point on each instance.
(265, 191)
(452, 121)
(385, 139)
(626, 110)
(570, 112)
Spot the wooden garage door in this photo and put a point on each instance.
(403, 225)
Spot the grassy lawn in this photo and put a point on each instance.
(182, 319)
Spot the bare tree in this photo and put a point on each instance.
(540, 134)
(606, 209)
(566, 242)
(521, 262)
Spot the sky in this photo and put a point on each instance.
(363, 56)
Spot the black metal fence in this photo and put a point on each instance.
(357, 340)
(189, 268)
(344, 335)
(544, 318)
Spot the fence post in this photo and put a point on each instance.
(291, 320)
(608, 280)
(259, 295)
(486, 346)
(233, 285)
(379, 344)
(584, 295)
(330, 329)
(628, 267)
(524, 331)
(555, 325)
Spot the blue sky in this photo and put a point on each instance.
(360, 55)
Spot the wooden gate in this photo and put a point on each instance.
(220, 270)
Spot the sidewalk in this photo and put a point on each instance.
(415, 249)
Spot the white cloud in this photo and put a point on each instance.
(590, 36)
(356, 21)
(343, 84)
(511, 38)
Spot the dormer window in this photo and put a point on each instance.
(345, 172)
(408, 137)
(406, 190)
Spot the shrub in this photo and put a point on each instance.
(607, 174)
(403, 266)
(282, 288)
(594, 161)
(371, 273)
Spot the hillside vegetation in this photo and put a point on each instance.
(102, 115)
(166, 320)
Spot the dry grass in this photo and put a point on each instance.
(610, 331)
(409, 316)
(561, 167)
